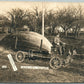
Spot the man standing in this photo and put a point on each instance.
(58, 44)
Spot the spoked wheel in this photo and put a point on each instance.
(55, 63)
(20, 56)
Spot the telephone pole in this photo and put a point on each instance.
(43, 18)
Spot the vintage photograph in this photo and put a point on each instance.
(41, 42)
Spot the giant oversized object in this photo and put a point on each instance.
(29, 41)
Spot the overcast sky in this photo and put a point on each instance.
(49, 0)
(6, 6)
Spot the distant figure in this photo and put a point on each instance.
(58, 44)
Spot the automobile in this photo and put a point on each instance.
(29, 44)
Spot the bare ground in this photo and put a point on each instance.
(72, 73)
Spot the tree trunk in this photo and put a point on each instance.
(66, 33)
(78, 31)
(2, 29)
(78, 34)
(9, 30)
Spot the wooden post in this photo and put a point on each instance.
(41, 45)
(16, 39)
(16, 42)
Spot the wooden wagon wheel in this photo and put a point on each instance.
(55, 62)
(20, 56)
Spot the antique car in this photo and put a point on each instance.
(30, 44)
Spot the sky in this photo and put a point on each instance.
(6, 6)
(49, 0)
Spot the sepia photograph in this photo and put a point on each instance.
(41, 42)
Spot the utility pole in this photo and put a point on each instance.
(42, 18)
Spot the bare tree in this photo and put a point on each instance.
(33, 20)
(65, 18)
(16, 18)
(50, 20)
(79, 16)
(4, 22)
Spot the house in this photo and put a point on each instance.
(58, 29)
(82, 30)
